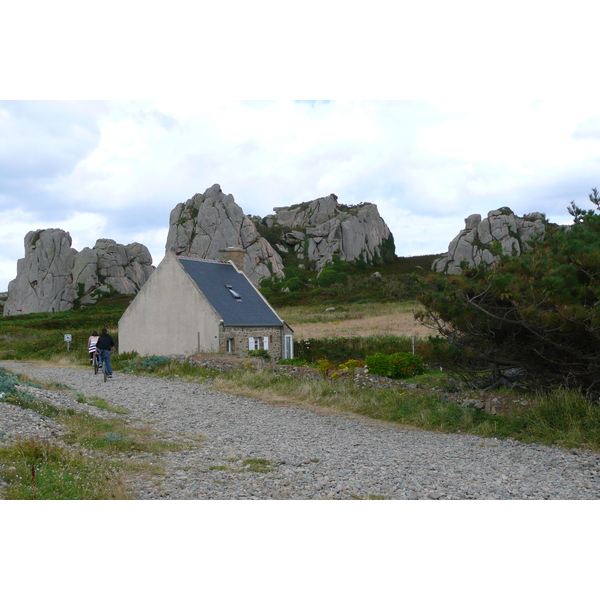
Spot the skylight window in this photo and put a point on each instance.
(233, 292)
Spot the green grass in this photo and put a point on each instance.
(101, 403)
(40, 470)
(93, 459)
(41, 335)
(563, 418)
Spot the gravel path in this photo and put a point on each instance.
(309, 455)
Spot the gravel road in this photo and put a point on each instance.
(310, 455)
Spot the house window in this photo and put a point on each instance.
(253, 343)
(229, 345)
(233, 293)
(266, 342)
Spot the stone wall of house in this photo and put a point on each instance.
(243, 334)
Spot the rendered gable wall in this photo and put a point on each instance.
(169, 316)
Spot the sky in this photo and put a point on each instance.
(433, 114)
(115, 169)
(113, 113)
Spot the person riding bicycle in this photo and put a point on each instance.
(92, 341)
(105, 345)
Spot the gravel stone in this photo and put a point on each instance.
(300, 454)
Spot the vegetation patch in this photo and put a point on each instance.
(39, 470)
(87, 463)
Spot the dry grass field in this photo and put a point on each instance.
(355, 320)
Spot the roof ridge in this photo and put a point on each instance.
(207, 260)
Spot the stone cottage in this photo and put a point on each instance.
(192, 305)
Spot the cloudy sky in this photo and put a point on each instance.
(461, 128)
(115, 169)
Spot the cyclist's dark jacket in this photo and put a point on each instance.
(105, 342)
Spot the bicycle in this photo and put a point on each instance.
(99, 366)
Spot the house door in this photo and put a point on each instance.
(289, 346)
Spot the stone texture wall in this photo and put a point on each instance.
(241, 335)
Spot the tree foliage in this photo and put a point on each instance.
(537, 314)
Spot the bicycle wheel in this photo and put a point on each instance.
(104, 371)
(95, 360)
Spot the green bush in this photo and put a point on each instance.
(260, 353)
(380, 364)
(401, 365)
(339, 350)
(298, 362)
(407, 365)
(8, 383)
(330, 275)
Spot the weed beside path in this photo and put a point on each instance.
(267, 449)
(79, 447)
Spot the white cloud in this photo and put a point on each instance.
(85, 228)
(123, 165)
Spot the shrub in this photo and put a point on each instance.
(407, 365)
(380, 364)
(351, 365)
(145, 363)
(323, 366)
(298, 362)
(8, 383)
(401, 365)
(260, 353)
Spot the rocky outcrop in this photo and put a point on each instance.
(109, 268)
(483, 241)
(317, 231)
(44, 281)
(55, 277)
(210, 222)
(308, 234)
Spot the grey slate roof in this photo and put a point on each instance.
(212, 278)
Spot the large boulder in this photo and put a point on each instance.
(502, 231)
(44, 281)
(319, 230)
(55, 277)
(109, 267)
(210, 222)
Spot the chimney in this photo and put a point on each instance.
(235, 255)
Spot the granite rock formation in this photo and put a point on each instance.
(44, 281)
(317, 231)
(502, 231)
(210, 222)
(311, 233)
(54, 277)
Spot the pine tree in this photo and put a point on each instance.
(537, 313)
